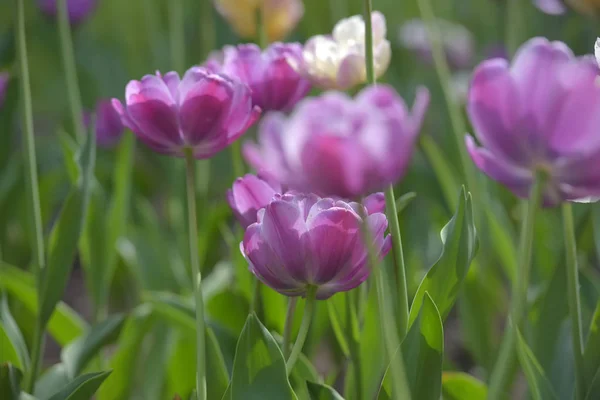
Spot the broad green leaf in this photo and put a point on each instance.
(422, 351)
(8, 353)
(52, 381)
(64, 326)
(123, 363)
(10, 381)
(181, 375)
(259, 371)
(83, 387)
(591, 355)
(12, 334)
(444, 279)
(217, 378)
(461, 386)
(65, 234)
(594, 388)
(539, 386)
(320, 391)
(77, 354)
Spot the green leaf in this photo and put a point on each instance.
(65, 234)
(539, 386)
(77, 354)
(10, 381)
(123, 363)
(13, 337)
(83, 387)
(591, 355)
(259, 371)
(65, 324)
(320, 391)
(173, 308)
(444, 279)
(52, 381)
(371, 348)
(422, 350)
(461, 386)
(403, 201)
(217, 378)
(336, 307)
(229, 310)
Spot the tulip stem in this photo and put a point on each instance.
(574, 299)
(289, 322)
(196, 277)
(39, 258)
(66, 46)
(309, 307)
(390, 198)
(502, 369)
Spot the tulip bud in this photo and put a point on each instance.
(280, 16)
(78, 10)
(337, 61)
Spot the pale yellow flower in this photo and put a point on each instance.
(281, 16)
(337, 61)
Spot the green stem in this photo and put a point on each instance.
(66, 46)
(353, 344)
(574, 299)
(197, 278)
(309, 308)
(454, 110)
(32, 184)
(177, 35)
(390, 198)
(289, 322)
(502, 369)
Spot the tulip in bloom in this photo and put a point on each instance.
(280, 16)
(204, 112)
(334, 145)
(4, 78)
(78, 10)
(303, 240)
(337, 61)
(274, 83)
(457, 41)
(249, 194)
(542, 113)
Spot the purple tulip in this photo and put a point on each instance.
(334, 145)
(204, 112)
(303, 240)
(542, 113)
(553, 7)
(78, 10)
(109, 127)
(4, 78)
(248, 195)
(275, 85)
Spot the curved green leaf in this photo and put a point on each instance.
(10, 381)
(445, 278)
(591, 355)
(461, 386)
(259, 371)
(83, 387)
(217, 378)
(320, 391)
(77, 354)
(9, 328)
(539, 386)
(64, 326)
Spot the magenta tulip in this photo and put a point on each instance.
(249, 194)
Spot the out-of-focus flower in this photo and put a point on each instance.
(457, 41)
(338, 61)
(541, 113)
(553, 7)
(249, 194)
(274, 83)
(109, 127)
(4, 78)
(204, 112)
(334, 145)
(280, 16)
(78, 10)
(303, 240)
(597, 51)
